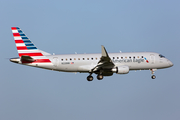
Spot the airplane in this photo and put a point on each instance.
(102, 64)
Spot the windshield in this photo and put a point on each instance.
(161, 56)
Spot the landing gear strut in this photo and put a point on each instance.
(90, 78)
(152, 72)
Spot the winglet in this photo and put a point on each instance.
(104, 52)
(105, 61)
(105, 56)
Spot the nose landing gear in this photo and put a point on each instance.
(152, 72)
(153, 76)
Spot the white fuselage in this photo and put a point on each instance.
(85, 62)
(104, 64)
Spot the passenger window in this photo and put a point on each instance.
(61, 59)
(113, 57)
(142, 56)
(74, 58)
(87, 58)
(91, 58)
(117, 57)
(83, 58)
(66, 59)
(78, 58)
(134, 57)
(70, 59)
(126, 57)
(121, 57)
(96, 58)
(137, 56)
(130, 57)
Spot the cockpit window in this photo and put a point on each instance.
(161, 56)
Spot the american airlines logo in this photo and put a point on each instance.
(130, 60)
(146, 60)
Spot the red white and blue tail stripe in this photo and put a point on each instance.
(26, 48)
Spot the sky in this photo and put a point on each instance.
(66, 27)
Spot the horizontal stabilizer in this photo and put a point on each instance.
(27, 59)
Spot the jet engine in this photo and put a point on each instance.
(121, 69)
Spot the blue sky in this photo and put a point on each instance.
(66, 27)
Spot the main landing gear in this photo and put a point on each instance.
(99, 77)
(152, 72)
(90, 77)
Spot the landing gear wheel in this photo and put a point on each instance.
(89, 78)
(99, 77)
(153, 76)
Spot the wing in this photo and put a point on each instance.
(105, 64)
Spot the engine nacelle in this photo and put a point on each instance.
(121, 69)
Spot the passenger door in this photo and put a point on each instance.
(55, 61)
(152, 58)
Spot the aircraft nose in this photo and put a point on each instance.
(170, 63)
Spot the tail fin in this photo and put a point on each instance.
(24, 46)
